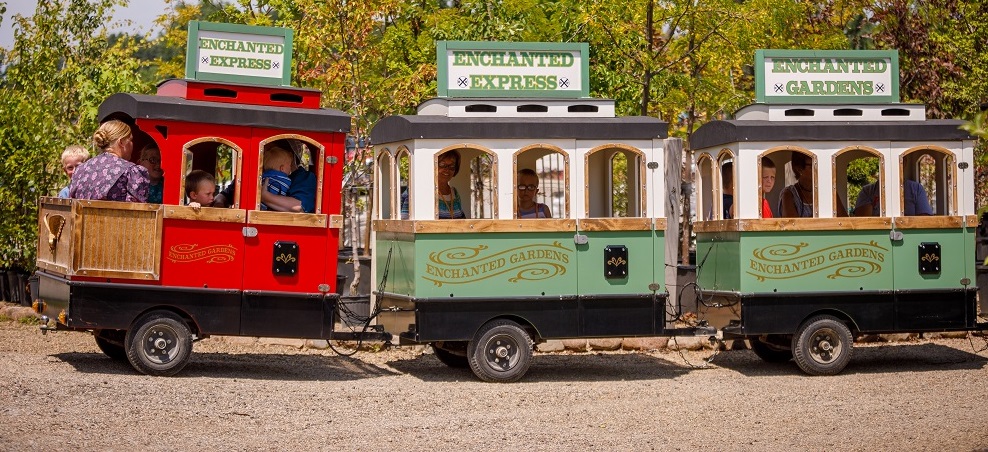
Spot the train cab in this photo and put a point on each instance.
(237, 267)
(817, 223)
(530, 219)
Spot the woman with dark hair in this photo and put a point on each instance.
(111, 176)
(797, 199)
(447, 199)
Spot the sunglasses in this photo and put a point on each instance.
(447, 166)
(528, 187)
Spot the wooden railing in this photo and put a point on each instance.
(100, 238)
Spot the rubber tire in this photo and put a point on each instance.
(111, 343)
(769, 352)
(175, 344)
(822, 345)
(496, 338)
(452, 353)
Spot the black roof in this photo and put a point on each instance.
(178, 109)
(399, 128)
(722, 132)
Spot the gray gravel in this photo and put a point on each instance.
(60, 393)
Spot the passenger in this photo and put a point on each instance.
(225, 197)
(916, 200)
(768, 183)
(727, 177)
(447, 199)
(111, 176)
(528, 189)
(797, 199)
(278, 163)
(200, 187)
(301, 194)
(72, 157)
(151, 161)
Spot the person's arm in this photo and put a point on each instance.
(787, 205)
(545, 211)
(280, 203)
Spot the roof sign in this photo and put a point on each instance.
(827, 76)
(239, 53)
(513, 69)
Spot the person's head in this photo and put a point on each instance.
(801, 164)
(279, 159)
(727, 175)
(768, 174)
(200, 187)
(528, 186)
(72, 157)
(151, 160)
(115, 137)
(448, 165)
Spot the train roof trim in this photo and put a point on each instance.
(139, 106)
(718, 133)
(409, 127)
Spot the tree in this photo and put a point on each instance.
(59, 70)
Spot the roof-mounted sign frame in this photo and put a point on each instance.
(513, 69)
(826, 76)
(239, 53)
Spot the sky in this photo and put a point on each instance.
(141, 12)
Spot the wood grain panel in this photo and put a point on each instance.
(217, 214)
(309, 220)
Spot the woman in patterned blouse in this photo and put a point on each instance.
(111, 176)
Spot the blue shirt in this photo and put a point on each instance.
(278, 183)
(303, 188)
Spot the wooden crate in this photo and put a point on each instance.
(100, 238)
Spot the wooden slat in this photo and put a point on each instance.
(310, 220)
(399, 226)
(216, 214)
(930, 222)
(117, 239)
(615, 224)
(796, 224)
(455, 226)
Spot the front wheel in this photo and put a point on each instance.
(159, 344)
(501, 352)
(822, 345)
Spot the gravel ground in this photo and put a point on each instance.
(58, 392)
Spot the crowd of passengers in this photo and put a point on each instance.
(112, 176)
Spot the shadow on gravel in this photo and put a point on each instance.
(867, 360)
(253, 366)
(554, 368)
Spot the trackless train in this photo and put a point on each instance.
(597, 259)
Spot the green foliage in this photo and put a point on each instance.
(59, 70)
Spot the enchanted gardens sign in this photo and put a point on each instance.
(826, 76)
(788, 261)
(462, 264)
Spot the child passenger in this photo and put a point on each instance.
(151, 160)
(200, 187)
(278, 164)
(72, 157)
(768, 182)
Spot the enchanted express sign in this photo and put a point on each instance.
(512, 69)
(239, 53)
(827, 76)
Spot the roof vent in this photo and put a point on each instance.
(848, 112)
(532, 108)
(481, 108)
(220, 92)
(582, 108)
(286, 97)
(895, 112)
(799, 112)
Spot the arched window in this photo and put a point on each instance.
(384, 179)
(219, 158)
(404, 184)
(727, 173)
(472, 183)
(705, 193)
(799, 197)
(615, 182)
(298, 180)
(549, 166)
(860, 183)
(926, 178)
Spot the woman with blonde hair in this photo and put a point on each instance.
(111, 176)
